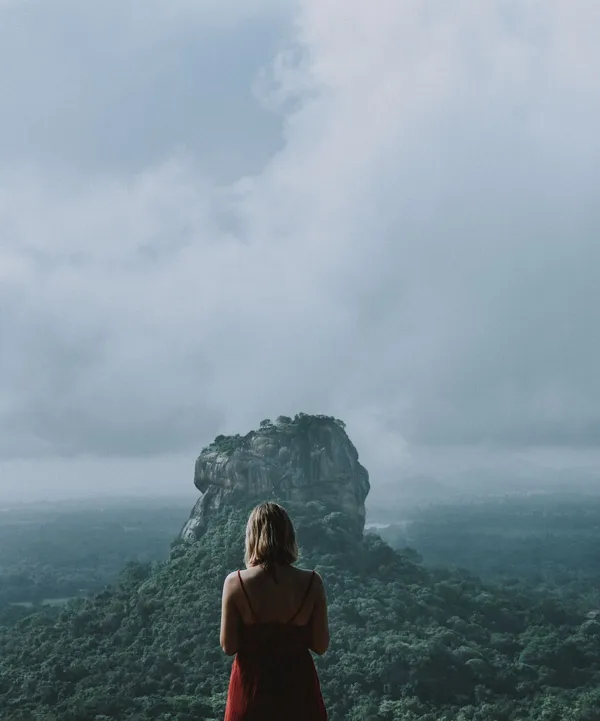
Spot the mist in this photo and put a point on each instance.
(211, 215)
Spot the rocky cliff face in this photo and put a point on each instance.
(307, 458)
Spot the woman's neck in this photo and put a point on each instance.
(274, 569)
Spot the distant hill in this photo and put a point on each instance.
(408, 643)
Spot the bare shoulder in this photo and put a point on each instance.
(318, 582)
(307, 573)
(304, 572)
(230, 582)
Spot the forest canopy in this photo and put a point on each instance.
(408, 642)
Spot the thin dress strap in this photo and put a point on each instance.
(312, 577)
(247, 596)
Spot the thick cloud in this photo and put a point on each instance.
(115, 86)
(382, 211)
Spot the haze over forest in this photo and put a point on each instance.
(213, 213)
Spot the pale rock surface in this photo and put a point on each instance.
(307, 458)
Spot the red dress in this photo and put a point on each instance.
(273, 677)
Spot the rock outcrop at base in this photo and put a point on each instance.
(307, 458)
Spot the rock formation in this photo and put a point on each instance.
(307, 458)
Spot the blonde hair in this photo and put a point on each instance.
(270, 537)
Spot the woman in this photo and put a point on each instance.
(273, 615)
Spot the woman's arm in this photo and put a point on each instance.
(318, 621)
(230, 616)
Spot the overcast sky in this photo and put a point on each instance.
(217, 211)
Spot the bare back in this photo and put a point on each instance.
(291, 597)
(297, 598)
